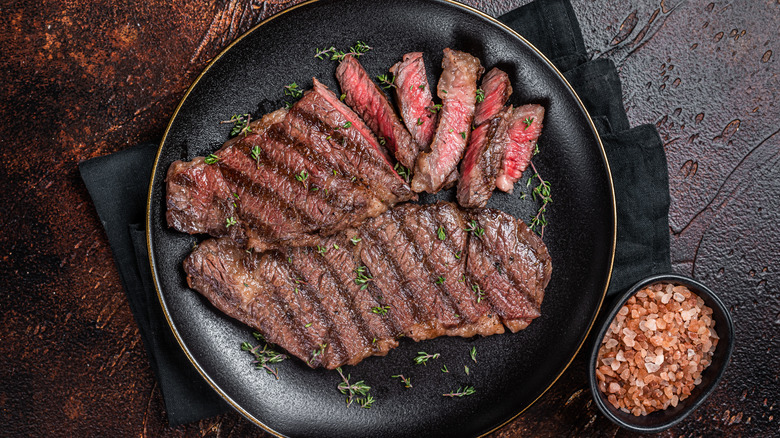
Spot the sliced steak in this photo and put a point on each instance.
(457, 90)
(524, 130)
(496, 90)
(418, 271)
(371, 103)
(480, 166)
(316, 170)
(414, 99)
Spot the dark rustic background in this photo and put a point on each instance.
(82, 79)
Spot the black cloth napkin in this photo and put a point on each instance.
(119, 184)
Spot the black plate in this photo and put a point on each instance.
(512, 370)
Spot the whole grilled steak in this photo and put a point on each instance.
(457, 90)
(414, 99)
(368, 100)
(418, 271)
(525, 127)
(318, 170)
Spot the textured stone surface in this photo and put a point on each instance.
(83, 79)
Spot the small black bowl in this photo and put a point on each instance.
(664, 419)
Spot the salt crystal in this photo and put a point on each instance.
(665, 298)
(614, 365)
(690, 353)
(651, 324)
(651, 367)
(620, 356)
(612, 343)
(614, 387)
(643, 326)
(629, 333)
(608, 361)
(659, 359)
(629, 342)
(679, 297)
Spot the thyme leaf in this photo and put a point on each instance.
(442, 235)
(293, 90)
(211, 159)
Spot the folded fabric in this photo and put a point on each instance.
(119, 183)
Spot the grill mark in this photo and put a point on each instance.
(305, 341)
(343, 174)
(488, 255)
(335, 349)
(406, 294)
(386, 322)
(443, 294)
(348, 301)
(277, 135)
(265, 196)
(339, 140)
(449, 244)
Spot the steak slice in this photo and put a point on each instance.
(418, 271)
(497, 89)
(480, 166)
(317, 170)
(368, 100)
(414, 99)
(524, 130)
(457, 90)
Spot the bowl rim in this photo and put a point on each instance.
(727, 335)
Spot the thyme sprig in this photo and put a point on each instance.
(407, 381)
(211, 159)
(423, 357)
(403, 172)
(265, 356)
(255, 153)
(461, 392)
(293, 90)
(229, 222)
(240, 124)
(354, 390)
(528, 121)
(478, 231)
(317, 352)
(363, 278)
(441, 234)
(480, 95)
(434, 108)
(478, 291)
(303, 176)
(355, 240)
(386, 81)
(380, 310)
(543, 192)
(337, 55)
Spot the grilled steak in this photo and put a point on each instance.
(524, 130)
(480, 166)
(457, 89)
(365, 97)
(413, 96)
(488, 142)
(497, 89)
(318, 170)
(396, 275)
